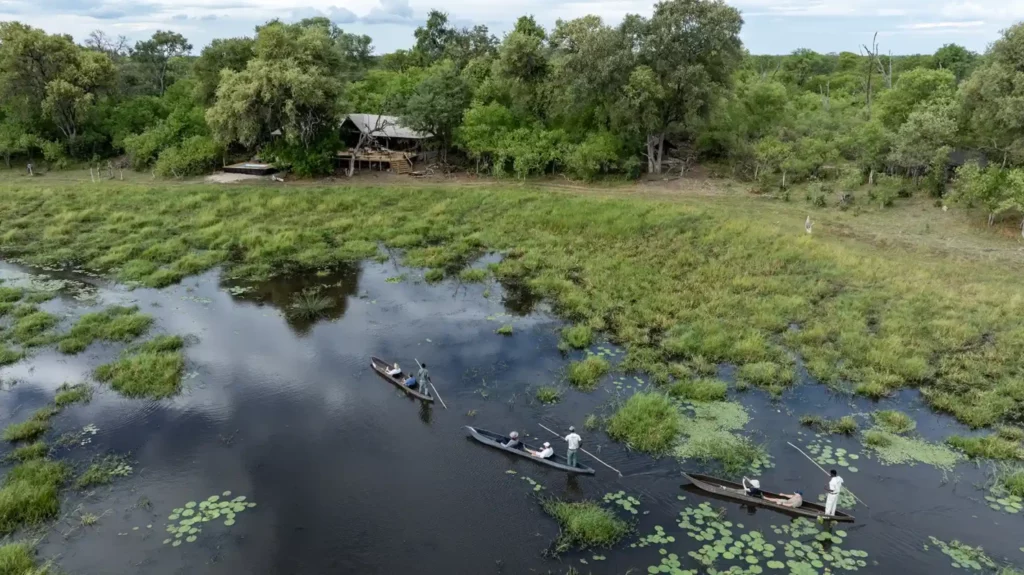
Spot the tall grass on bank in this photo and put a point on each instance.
(152, 370)
(694, 281)
(585, 524)
(987, 447)
(648, 422)
(19, 559)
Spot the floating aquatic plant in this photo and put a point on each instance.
(963, 556)
(627, 502)
(396, 279)
(186, 523)
(825, 454)
(659, 537)
(709, 435)
(103, 471)
(894, 449)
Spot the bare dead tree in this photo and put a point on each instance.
(826, 95)
(886, 75)
(872, 56)
(368, 138)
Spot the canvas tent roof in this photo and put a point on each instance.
(387, 126)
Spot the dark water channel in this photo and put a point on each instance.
(349, 476)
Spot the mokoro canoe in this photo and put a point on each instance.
(498, 441)
(381, 367)
(735, 491)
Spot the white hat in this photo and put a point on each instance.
(546, 444)
(755, 484)
(514, 434)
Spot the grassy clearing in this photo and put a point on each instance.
(894, 421)
(586, 373)
(648, 422)
(68, 394)
(152, 370)
(29, 494)
(699, 390)
(19, 559)
(578, 336)
(37, 450)
(692, 280)
(504, 330)
(846, 425)
(987, 447)
(585, 524)
(26, 430)
(112, 324)
(548, 394)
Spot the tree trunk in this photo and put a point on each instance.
(991, 218)
(783, 179)
(7, 160)
(871, 177)
(650, 154)
(661, 153)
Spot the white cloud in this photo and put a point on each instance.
(943, 25)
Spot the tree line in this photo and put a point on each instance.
(652, 94)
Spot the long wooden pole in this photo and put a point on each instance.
(587, 452)
(432, 386)
(827, 473)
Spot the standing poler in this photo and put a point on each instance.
(573, 439)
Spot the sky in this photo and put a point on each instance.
(771, 26)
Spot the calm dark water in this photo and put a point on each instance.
(352, 477)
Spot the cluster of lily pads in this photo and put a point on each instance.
(824, 454)
(626, 502)
(809, 551)
(536, 486)
(187, 522)
(999, 500)
(659, 537)
(963, 556)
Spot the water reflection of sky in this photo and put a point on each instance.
(352, 477)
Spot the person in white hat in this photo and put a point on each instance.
(513, 441)
(545, 453)
(573, 439)
(752, 487)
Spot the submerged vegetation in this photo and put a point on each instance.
(585, 524)
(710, 435)
(103, 471)
(892, 449)
(68, 394)
(152, 370)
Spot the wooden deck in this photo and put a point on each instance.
(399, 162)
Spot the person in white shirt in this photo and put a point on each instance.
(573, 439)
(545, 453)
(394, 371)
(793, 500)
(835, 487)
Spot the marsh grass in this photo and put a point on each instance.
(699, 390)
(592, 422)
(473, 275)
(103, 472)
(116, 323)
(894, 449)
(37, 450)
(548, 394)
(9, 356)
(310, 304)
(586, 373)
(433, 276)
(987, 447)
(26, 430)
(710, 434)
(30, 330)
(638, 267)
(68, 394)
(504, 330)
(846, 425)
(19, 559)
(771, 376)
(152, 370)
(29, 494)
(578, 336)
(585, 525)
(1010, 478)
(894, 421)
(649, 422)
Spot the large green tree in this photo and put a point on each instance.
(222, 54)
(438, 104)
(992, 100)
(156, 54)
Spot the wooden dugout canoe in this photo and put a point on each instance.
(498, 441)
(735, 491)
(381, 367)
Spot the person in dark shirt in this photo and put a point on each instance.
(752, 487)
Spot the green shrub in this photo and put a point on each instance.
(987, 447)
(585, 374)
(578, 336)
(598, 154)
(548, 394)
(585, 524)
(647, 422)
(894, 421)
(699, 390)
(193, 157)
